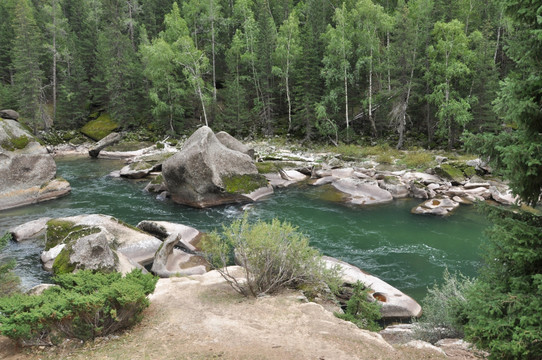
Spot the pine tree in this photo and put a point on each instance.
(26, 55)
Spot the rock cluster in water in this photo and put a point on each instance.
(27, 170)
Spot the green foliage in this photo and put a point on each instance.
(9, 282)
(360, 310)
(444, 309)
(274, 256)
(506, 301)
(243, 184)
(99, 128)
(84, 305)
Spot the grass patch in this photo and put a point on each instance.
(417, 160)
(99, 128)
(63, 231)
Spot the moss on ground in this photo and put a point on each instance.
(99, 128)
(450, 172)
(140, 165)
(243, 184)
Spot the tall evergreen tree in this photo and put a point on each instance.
(26, 55)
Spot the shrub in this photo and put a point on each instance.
(360, 310)
(274, 256)
(84, 305)
(444, 309)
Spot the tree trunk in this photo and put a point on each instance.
(373, 124)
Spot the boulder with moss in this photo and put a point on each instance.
(100, 127)
(207, 173)
(27, 170)
(130, 246)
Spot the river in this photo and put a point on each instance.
(408, 251)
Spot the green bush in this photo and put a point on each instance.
(274, 256)
(360, 310)
(84, 305)
(444, 309)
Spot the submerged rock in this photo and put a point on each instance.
(442, 206)
(206, 173)
(27, 170)
(362, 193)
(395, 304)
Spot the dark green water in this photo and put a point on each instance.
(408, 251)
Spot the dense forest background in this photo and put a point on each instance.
(410, 72)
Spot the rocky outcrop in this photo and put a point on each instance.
(189, 238)
(232, 143)
(27, 171)
(395, 304)
(207, 173)
(110, 139)
(96, 242)
(169, 261)
(9, 114)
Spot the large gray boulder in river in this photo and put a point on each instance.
(27, 171)
(208, 173)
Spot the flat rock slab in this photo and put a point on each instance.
(395, 304)
(362, 193)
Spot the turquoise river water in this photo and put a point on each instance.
(408, 251)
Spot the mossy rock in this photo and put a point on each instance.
(243, 184)
(159, 179)
(62, 264)
(450, 172)
(64, 232)
(140, 165)
(16, 143)
(99, 128)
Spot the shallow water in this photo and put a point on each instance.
(408, 251)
